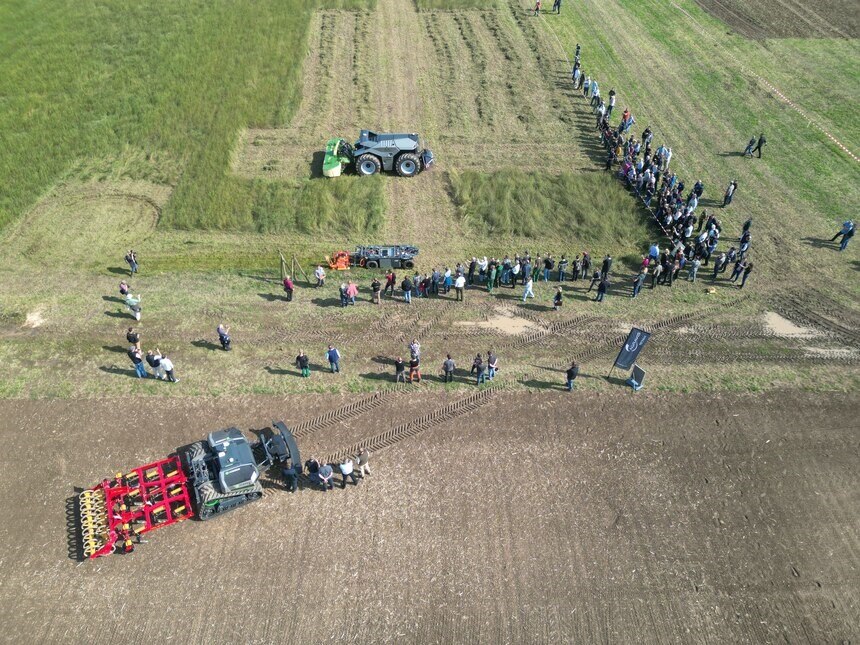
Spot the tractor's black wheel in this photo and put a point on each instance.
(409, 264)
(372, 264)
(367, 165)
(407, 165)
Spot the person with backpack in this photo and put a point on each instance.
(133, 337)
(375, 288)
(414, 369)
(133, 305)
(557, 299)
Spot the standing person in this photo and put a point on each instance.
(390, 281)
(415, 348)
(133, 337)
(471, 272)
(133, 305)
(586, 265)
(154, 361)
(319, 274)
(344, 299)
(289, 287)
(375, 288)
(491, 281)
(291, 477)
(131, 259)
(572, 374)
(224, 336)
(601, 289)
(694, 269)
(406, 287)
(759, 145)
(333, 358)
(747, 270)
(351, 291)
(595, 279)
(479, 369)
(448, 367)
(137, 360)
(639, 280)
(719, 263)
(459, 287)
(562, 268)
(730, 193)
(492, 364)
(528, 292)
(845, 239)
(326, 475)
(362, 460)
(303, 364)
(167, 364)
(347, 471)
(414, 369)
(399, 370)
(557, 299)
(611, 105)
(738, 269)
(656, 274)
(537, 8)
(124, 288)
(847, 227)
(748, 150)
(556, 7)
(606, 266)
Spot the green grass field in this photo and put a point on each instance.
(122, 125)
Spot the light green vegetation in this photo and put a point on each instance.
(454, 5)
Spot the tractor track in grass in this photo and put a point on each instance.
(814, 313)
(674, 355)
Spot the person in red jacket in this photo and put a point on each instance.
(288, 288)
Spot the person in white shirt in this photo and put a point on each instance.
(319, 274)
(459, 286)
(167, 366)
(347, 470)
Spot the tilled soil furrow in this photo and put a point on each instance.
(420, 424)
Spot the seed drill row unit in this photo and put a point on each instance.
(205, 479)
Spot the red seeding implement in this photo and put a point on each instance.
(204, 479)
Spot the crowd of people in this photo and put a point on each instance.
(321, 474)
(645, 168)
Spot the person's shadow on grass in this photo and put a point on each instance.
(273, 297)
(279, 371)
(821, 243)
(113, 369)
(202, 343)
(119, 314)
(112, 299)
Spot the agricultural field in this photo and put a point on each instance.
(717, 504)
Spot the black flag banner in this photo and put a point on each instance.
(636, 340)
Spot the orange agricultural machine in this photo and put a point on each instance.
(340, 261)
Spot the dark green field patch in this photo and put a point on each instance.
(591, 208)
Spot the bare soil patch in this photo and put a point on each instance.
(784, 328)
(540, 517)
(788, 18)
(510, 325)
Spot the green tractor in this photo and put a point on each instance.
(373, 153)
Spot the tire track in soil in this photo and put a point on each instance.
(345, 412)
(802, 313)
(415, 427)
